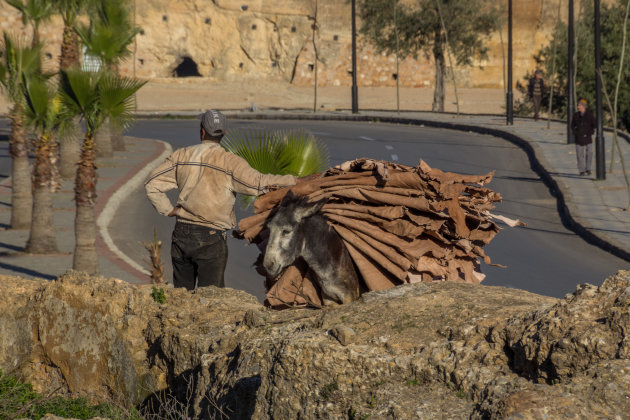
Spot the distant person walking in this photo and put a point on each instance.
(583, 127)
(535, 92)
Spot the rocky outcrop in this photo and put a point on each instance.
(437, 350)
(263, 40)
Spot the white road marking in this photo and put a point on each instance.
(366, 138)
(389, 147)
(114, 202)
(394, 157)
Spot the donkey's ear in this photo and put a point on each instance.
(306, 209)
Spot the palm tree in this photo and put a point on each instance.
(42, 113)
(70, 138)
(34, 12)
(294, 152)
(94, 97)
(19, 62)
(108, 38)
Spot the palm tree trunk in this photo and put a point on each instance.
(85, 257)
(69, 48)
(21, 194)
(69, 150)
(42, 239)
(103, 140)
(117, 138)
(440, 71)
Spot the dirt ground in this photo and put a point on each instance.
(199, 93)
(196, 93)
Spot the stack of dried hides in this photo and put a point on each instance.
(400, 225)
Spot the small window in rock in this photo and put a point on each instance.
(186, 68)
(141, 60)
(141, 31)
(293, 29)
(240, 65)
(395, 76)
(208, 21)
(274, 64)
(244, 7)
(311, 67)
(48, 56)
(165, 18)
(254, 27)
(336, 38)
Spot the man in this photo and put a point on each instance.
(583, 127)
(535, 91)
(208, 179)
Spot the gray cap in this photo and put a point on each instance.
(213, 122)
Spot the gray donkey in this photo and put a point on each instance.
(298, 230)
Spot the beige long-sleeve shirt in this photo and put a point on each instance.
(208, 178)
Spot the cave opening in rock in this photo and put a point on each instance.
(187, 68)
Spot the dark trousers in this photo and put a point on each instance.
(199, 255)
(537, 101)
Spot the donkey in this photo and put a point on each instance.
(297, 230)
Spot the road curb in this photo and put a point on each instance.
(112, 205)
(563, 207)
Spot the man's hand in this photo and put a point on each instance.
(307, 178)
(174, 211)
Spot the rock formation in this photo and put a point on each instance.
(226, 40)
(435, 350)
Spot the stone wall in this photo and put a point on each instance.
(254, 40)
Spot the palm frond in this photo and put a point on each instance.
(116, 97)
(259, 148)
(303, 152)
(42, 110)
(19, 61)
(110, 32)
(294, 152)
(78, 91)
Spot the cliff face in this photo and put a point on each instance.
(442, 350)
(245, 40)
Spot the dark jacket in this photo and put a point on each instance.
(583, 127)
(530, 88)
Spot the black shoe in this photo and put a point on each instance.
(588, 172)
(582, 173)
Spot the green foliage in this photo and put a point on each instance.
(294, 152)
(19, 63)
(43, 104)
(19, 399)
(468, 24)
(158, 295)
(327, 391)
(354, 415)
(70, 9)
(412, 382)
(416, 27)
(461, 393)
(403, 323)
(97, 96)
(612, 15)
(33, 11)
(110, 32)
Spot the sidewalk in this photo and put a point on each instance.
(116, 177)
(594, 209)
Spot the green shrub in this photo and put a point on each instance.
(17, 399)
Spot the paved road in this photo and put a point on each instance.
(543, 257)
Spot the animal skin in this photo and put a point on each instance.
(298, 230)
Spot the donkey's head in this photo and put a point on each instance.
(286, 237)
